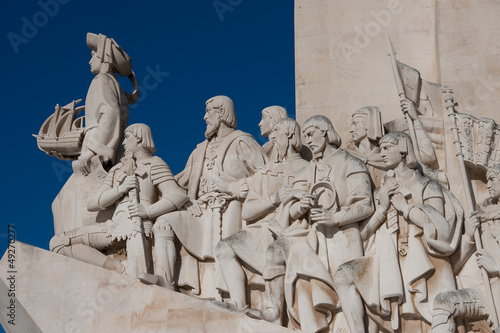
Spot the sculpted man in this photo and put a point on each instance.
(473, 302)
(210, 215)
(367, 128)
(270, 116)
(106, 105)
(106, 117)
(269, 190)
(156, 192)
(335, 195)
(417, 226)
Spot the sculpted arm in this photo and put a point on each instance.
(108, 195)
(172, 198)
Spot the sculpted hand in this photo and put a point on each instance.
(221, 185)
(484, 260)
(399, 202)
(129, 183)
(322, 216)
(59, 156)
(389, 187)
(306, 202)
(193, 208)
(407, 106)
(488, 213)
(84, 162)
(471, 223)
(136, 209)
(291, 195)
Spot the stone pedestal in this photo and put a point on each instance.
(60, 294)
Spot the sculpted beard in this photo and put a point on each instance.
(211, 129)
(279, 152)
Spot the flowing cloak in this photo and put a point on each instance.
(106, 117)
(413, 273)
(238, 156)
(312, 259)
(470, 275)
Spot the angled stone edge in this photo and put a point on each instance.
(61, 294)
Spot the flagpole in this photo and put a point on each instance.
(449, 104)
(402, 96)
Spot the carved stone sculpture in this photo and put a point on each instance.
(269, 194)
(324, 232)
(270, 116)
(210, 215)
(141, 187)
(473, 301)
(418, 226)
(106, 117)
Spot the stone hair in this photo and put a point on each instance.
(403, 141)
(324, 124)
(226, 109)
(291, 127)
(275, 112)
(494, 171)
(143, 133)
(373, 121)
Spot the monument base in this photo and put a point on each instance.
(54, 293)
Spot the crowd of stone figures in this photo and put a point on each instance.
(314, 236)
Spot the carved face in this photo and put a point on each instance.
(131, 143)
(95, 64)
(358, 128)
(315, 139)
(493, 186)
(391, 155)
(280, 141)
(266, 125)
(212, 118)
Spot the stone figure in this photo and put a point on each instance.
(270, 116)
(367, 128)
(210, 215)
(472, 302)
(417, 226)
(155, 192)
(106, 105)
(335, 195)
(269, 191)
(106, 117)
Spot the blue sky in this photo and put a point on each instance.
(199, 48)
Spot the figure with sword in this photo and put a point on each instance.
(141, 188)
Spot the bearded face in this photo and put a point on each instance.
(280, 141)
(213, 121)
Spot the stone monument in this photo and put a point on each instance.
(378, 232)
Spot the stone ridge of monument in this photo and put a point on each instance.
(62, 294)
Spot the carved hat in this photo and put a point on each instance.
(373, 121)
(109, 51)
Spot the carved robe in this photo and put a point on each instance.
(410, 265)
(312, 256)
(234, 157)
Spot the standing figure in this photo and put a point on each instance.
(269, 192)
(155, 192)
(417, 226)
(472, 302)
(210, 215)
(335, 197)
(106, 117)
(106, 105)
(270, 116)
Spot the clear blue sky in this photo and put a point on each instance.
(243, 49)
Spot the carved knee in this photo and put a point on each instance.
(343, 276)
(223, 251)
(58, 242)
(163, 230)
